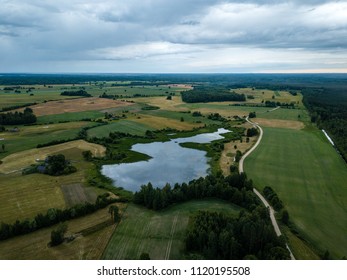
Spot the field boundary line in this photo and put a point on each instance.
(169, 245)
(261, 197)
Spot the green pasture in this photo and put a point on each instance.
(24, 196)
(40, 95)
(29, 137)
(160, 234)
(227, 109)
(125, 126)
(70, 117)
(176, 115)
(310, 178)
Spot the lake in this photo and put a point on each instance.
(169, 163)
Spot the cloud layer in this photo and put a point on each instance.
(173, 36)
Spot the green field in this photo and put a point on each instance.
(310, 178)
(160, 234)
(29, 137)
(71, 117)
(28, 195)
(125, 126)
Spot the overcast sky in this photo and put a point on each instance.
(173, 36)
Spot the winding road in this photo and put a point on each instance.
(261, 197)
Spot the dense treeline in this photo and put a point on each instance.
(272, 198)
(54, 216)
(328, 109)
(210, 94)
(249, 236)
(17, 118)
(14, 107)
(76, 93)
(235, 188)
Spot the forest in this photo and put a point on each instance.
(328, 109)
(216, 235)
(234, 188)
(210, 94)
(17, 118)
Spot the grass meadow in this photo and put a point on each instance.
(160, 234)
(92, 233)
(310, 178)
(28, 195)
(28, 137)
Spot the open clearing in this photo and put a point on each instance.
(76, 105)
(309, 176)
(26, 196)
(279, 123)
(160, 234)
(28, 137)
(77, 194)
(20, 160)
(92, 231)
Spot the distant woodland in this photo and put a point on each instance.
(328, 109)
(210, 94)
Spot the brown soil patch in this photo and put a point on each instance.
(280, 123)
(76, 105)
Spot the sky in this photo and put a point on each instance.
(173, 36)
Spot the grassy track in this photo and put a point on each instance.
(158, 233)
(310, 177)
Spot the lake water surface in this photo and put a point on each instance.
(170, 163)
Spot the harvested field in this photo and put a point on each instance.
(280, 123)
(92, 233)
(23, 159)
(76, 105)
(77, 194)
(160, 123)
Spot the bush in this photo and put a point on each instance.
(57, 235)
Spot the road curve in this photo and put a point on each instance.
(261, 197)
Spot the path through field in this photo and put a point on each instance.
(267, 205)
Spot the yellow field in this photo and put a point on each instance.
(160, 122)
(279, 123)
(76, 105)
(162, 102)
(23, 159)
(25, 196)
(266, 95)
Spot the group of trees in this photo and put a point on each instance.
(272, 198)
(275, 104)
(215, 235)
(251, 132)
(16, 118)
(210, 94)
(54, 216)
(235, 188)
(328, 109)
(76, 93)
(54, 165)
